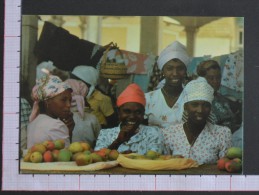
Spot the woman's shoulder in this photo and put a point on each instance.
(111, 130)
(219, 128)
(150, 93)
(153, 95)
(173, 126)
(149, 128)
(98, 95)
(47, 120)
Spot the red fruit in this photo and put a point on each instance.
(49, 145)
(48, 156)
(102, 153)
(221, 163)
(233, 166)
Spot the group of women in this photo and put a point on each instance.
(181, 117)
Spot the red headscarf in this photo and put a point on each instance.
(133, 93)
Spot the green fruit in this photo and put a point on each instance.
(36, 157)
(59, 144)
(152, 154)
(75, 155)
(64, 155)
(234, 152)
(113, 155)
(96, 158)
(38, 148)
(75, 147)
(87, 152)
(83, 159)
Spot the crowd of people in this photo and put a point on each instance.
(186, 117)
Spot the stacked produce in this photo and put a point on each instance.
(80, 152)
(232, 162)
(152, 155)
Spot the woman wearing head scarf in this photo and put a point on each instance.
(211, 71)
(87, 127)
(197, 137)
(163, 104)
(131, 135)
(51, 117)
(100, 104)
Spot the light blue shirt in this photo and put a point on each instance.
(148, 138)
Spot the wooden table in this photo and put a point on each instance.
(118, 170)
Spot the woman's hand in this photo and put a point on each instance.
(126, 132)
(70, 123)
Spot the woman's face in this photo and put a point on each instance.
(131, 113)
(213, 77)
(174, 72)
(59, 106)
(198, 111)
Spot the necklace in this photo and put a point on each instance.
(169, 99)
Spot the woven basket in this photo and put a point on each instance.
(112, 70)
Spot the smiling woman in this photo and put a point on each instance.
(51, 118)
(131, 135)
(197, 136)
(173, 62)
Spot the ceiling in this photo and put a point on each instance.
(194, 21)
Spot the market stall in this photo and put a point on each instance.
(119, 170)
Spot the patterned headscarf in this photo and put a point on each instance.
(198, 89)
(80, 90)
(46, 87)
(174, 50)
(133, 93)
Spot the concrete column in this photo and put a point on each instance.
(190, 36)
(83, 26)
(57, 20)
(28, 60)
(94, 24)
(150, 34)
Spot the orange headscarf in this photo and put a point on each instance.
(133, 93)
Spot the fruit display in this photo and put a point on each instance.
(232, 162)
(152, 160)
(80, 152)
(152, 155)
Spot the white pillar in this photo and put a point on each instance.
(94, 30)
(83, 26)
(190, 36)
(151, 34)
(28, 60)
(57, 20)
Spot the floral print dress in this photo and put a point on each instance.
(147, 138)
(210, 145)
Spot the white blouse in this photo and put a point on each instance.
(210, 145)
(159, 113)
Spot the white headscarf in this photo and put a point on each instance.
(198, 89)
(44, 68)
(174, 50)
(87, 74)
